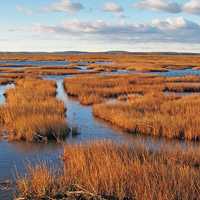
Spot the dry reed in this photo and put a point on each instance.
(156, 115)
(32, 112)
(97, 88)
(109, 171)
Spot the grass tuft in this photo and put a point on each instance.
(105, 170)
(32, 112)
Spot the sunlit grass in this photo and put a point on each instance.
(33, 113)
(110, 171)
(156, 115)
(93, 89)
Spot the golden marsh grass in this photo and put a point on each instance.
(97, 88)
(156, 115)
(105, 170)
(130, 61)
(32, 112)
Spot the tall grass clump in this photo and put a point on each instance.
(32, 112)
(105, 170)
(95, 89)
(156, 115)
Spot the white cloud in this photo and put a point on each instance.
(193, 7)
(190, 7)
(169, 30)
(65, 6)
(73, 27)
(159, 5)
(174, 24)
(112, 7)
(24, 10)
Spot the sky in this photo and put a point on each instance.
(100, 25)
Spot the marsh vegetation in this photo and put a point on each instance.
(141, 103)
(105, 170)
(156, 115)
(98, 88)
(32, 112)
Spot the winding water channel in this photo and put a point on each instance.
(17, 63)
(14, 156)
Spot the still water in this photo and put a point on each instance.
(180, 72)
(14, 156)
(34, 63)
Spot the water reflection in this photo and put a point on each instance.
(14, 155)
(3, 89)
(91, 128)
(181, 94)
(81, 117)
(34, 63)
(181, 72)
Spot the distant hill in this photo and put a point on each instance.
(107, 52)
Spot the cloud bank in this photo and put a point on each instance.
(112, 7)
(190, 7)
(115, 32)
(169, 30)
(159, 5)
(64, 6)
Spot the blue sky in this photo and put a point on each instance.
(101, 25)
